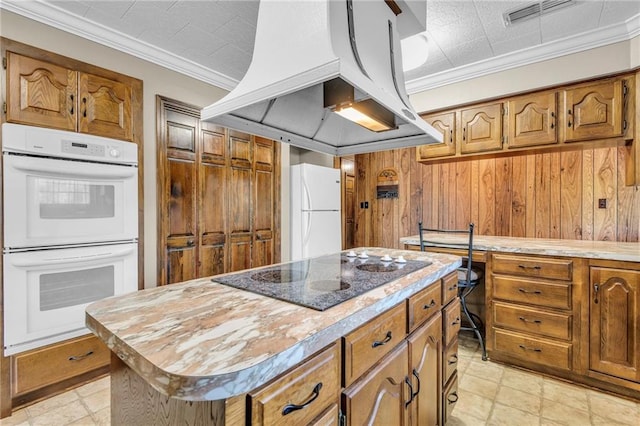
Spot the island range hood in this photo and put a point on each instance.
(326, 75)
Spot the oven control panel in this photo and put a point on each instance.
(72, 147)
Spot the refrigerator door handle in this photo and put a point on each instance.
(307, 232)
(307, 194)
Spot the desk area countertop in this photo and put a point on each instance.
(606, 250)
(203, 341)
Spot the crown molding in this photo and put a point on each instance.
(554, 49)
(53, 16)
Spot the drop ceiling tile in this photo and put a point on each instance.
(576, 19)
(468, 29)
(445, 12)
(192, 37)
(618, 11)
(491, 15)
(206, 15)
(153, 16)
(76, 7)
(111, 8)
(247, 9)
(113, 22)
(466, 53)
(242, 39)
(231, 61)
(516, 43)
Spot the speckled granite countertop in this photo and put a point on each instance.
(607, 250)
(201, 340)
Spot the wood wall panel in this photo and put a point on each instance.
(546, 195)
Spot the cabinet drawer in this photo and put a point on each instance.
(540, 293)
(328, 418)
(555, 269)
(534, 349)
(423, 305)
(449, 398)
(450, 361)
(315, 384)
(364, 346)
(52, 364)
(451, 325)
(532, 320)
(449, 288)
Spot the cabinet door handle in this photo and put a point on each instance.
(415, 374)
(293, 407)
(464, 133)
(84, 101)
(569, 121)
(453, 359)
(80, 357)
(190, 243)
(452, 398)
(596, 288)
(530, 349)
(72, 110)
(430, 305)
(453, 287)
(456, 321)
(522, 290)
(523, 319)
(408, 382)
(536, 267)
(553, 120)
(386, 340)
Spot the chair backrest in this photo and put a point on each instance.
(431, 239)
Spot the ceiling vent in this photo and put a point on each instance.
(535, 10)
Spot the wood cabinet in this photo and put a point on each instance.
(40, 93)
(595, 110)
(481, 128)
(534, 318)
(533, 120)
(445, 123)
(37, 372)
(614, 333)
(219, 195)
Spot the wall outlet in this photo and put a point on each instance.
(602, 203)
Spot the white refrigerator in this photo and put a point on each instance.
(315, 211)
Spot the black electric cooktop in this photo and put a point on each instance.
(322, 282)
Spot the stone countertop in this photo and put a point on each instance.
(200, 340)
(607, 250)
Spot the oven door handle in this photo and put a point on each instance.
(90, 170)
(30, 263)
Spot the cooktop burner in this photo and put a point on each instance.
(321, 282)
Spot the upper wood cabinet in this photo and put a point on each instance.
(532, 120)
(595, 111)
(481, 128)
(44, 94)
(445, 123)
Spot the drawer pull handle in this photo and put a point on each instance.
(415, 374)
(80, 357)
(453, 287)
(430, 305)
(530, 349)
(528, 320)
(452, 398)
(386, 340)
(411, 394)
(293, 407)
(537, 267)
(456, 321)
(452, 360)
(522, 290)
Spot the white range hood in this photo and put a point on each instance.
(303, 51)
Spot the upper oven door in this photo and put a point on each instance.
(53, 202)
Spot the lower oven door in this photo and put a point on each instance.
(46, 291)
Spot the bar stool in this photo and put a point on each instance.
(468, 277)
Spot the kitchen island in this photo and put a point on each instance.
(198, 352)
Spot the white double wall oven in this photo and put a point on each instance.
(70, 230)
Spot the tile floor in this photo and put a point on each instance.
(490, 394)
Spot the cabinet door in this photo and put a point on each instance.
(481, 128)
(380, 397)
(615, 322)
(533, 120)
(40, 93)
(104, 107)
(240, 176)
(264, 195)
(425, 348)
(594, 111)
(180, 194)
(212, 203)
(445, 123)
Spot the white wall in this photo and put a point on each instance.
(618, 57)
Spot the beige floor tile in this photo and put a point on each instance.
(508, 416)
(564, 415)
(103, 417)
(19, 417)
(519, 400)
(98, 400)
(486, 370)
(615, 409)
(477, 385)
(462, 419)
(521, 380)
(95, 386)
(49, 404)
(85, 421)
(474, 405)
(564, 393)
(62, 415)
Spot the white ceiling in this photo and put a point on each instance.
(213, 40)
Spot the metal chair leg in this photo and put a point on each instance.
(477, 329)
